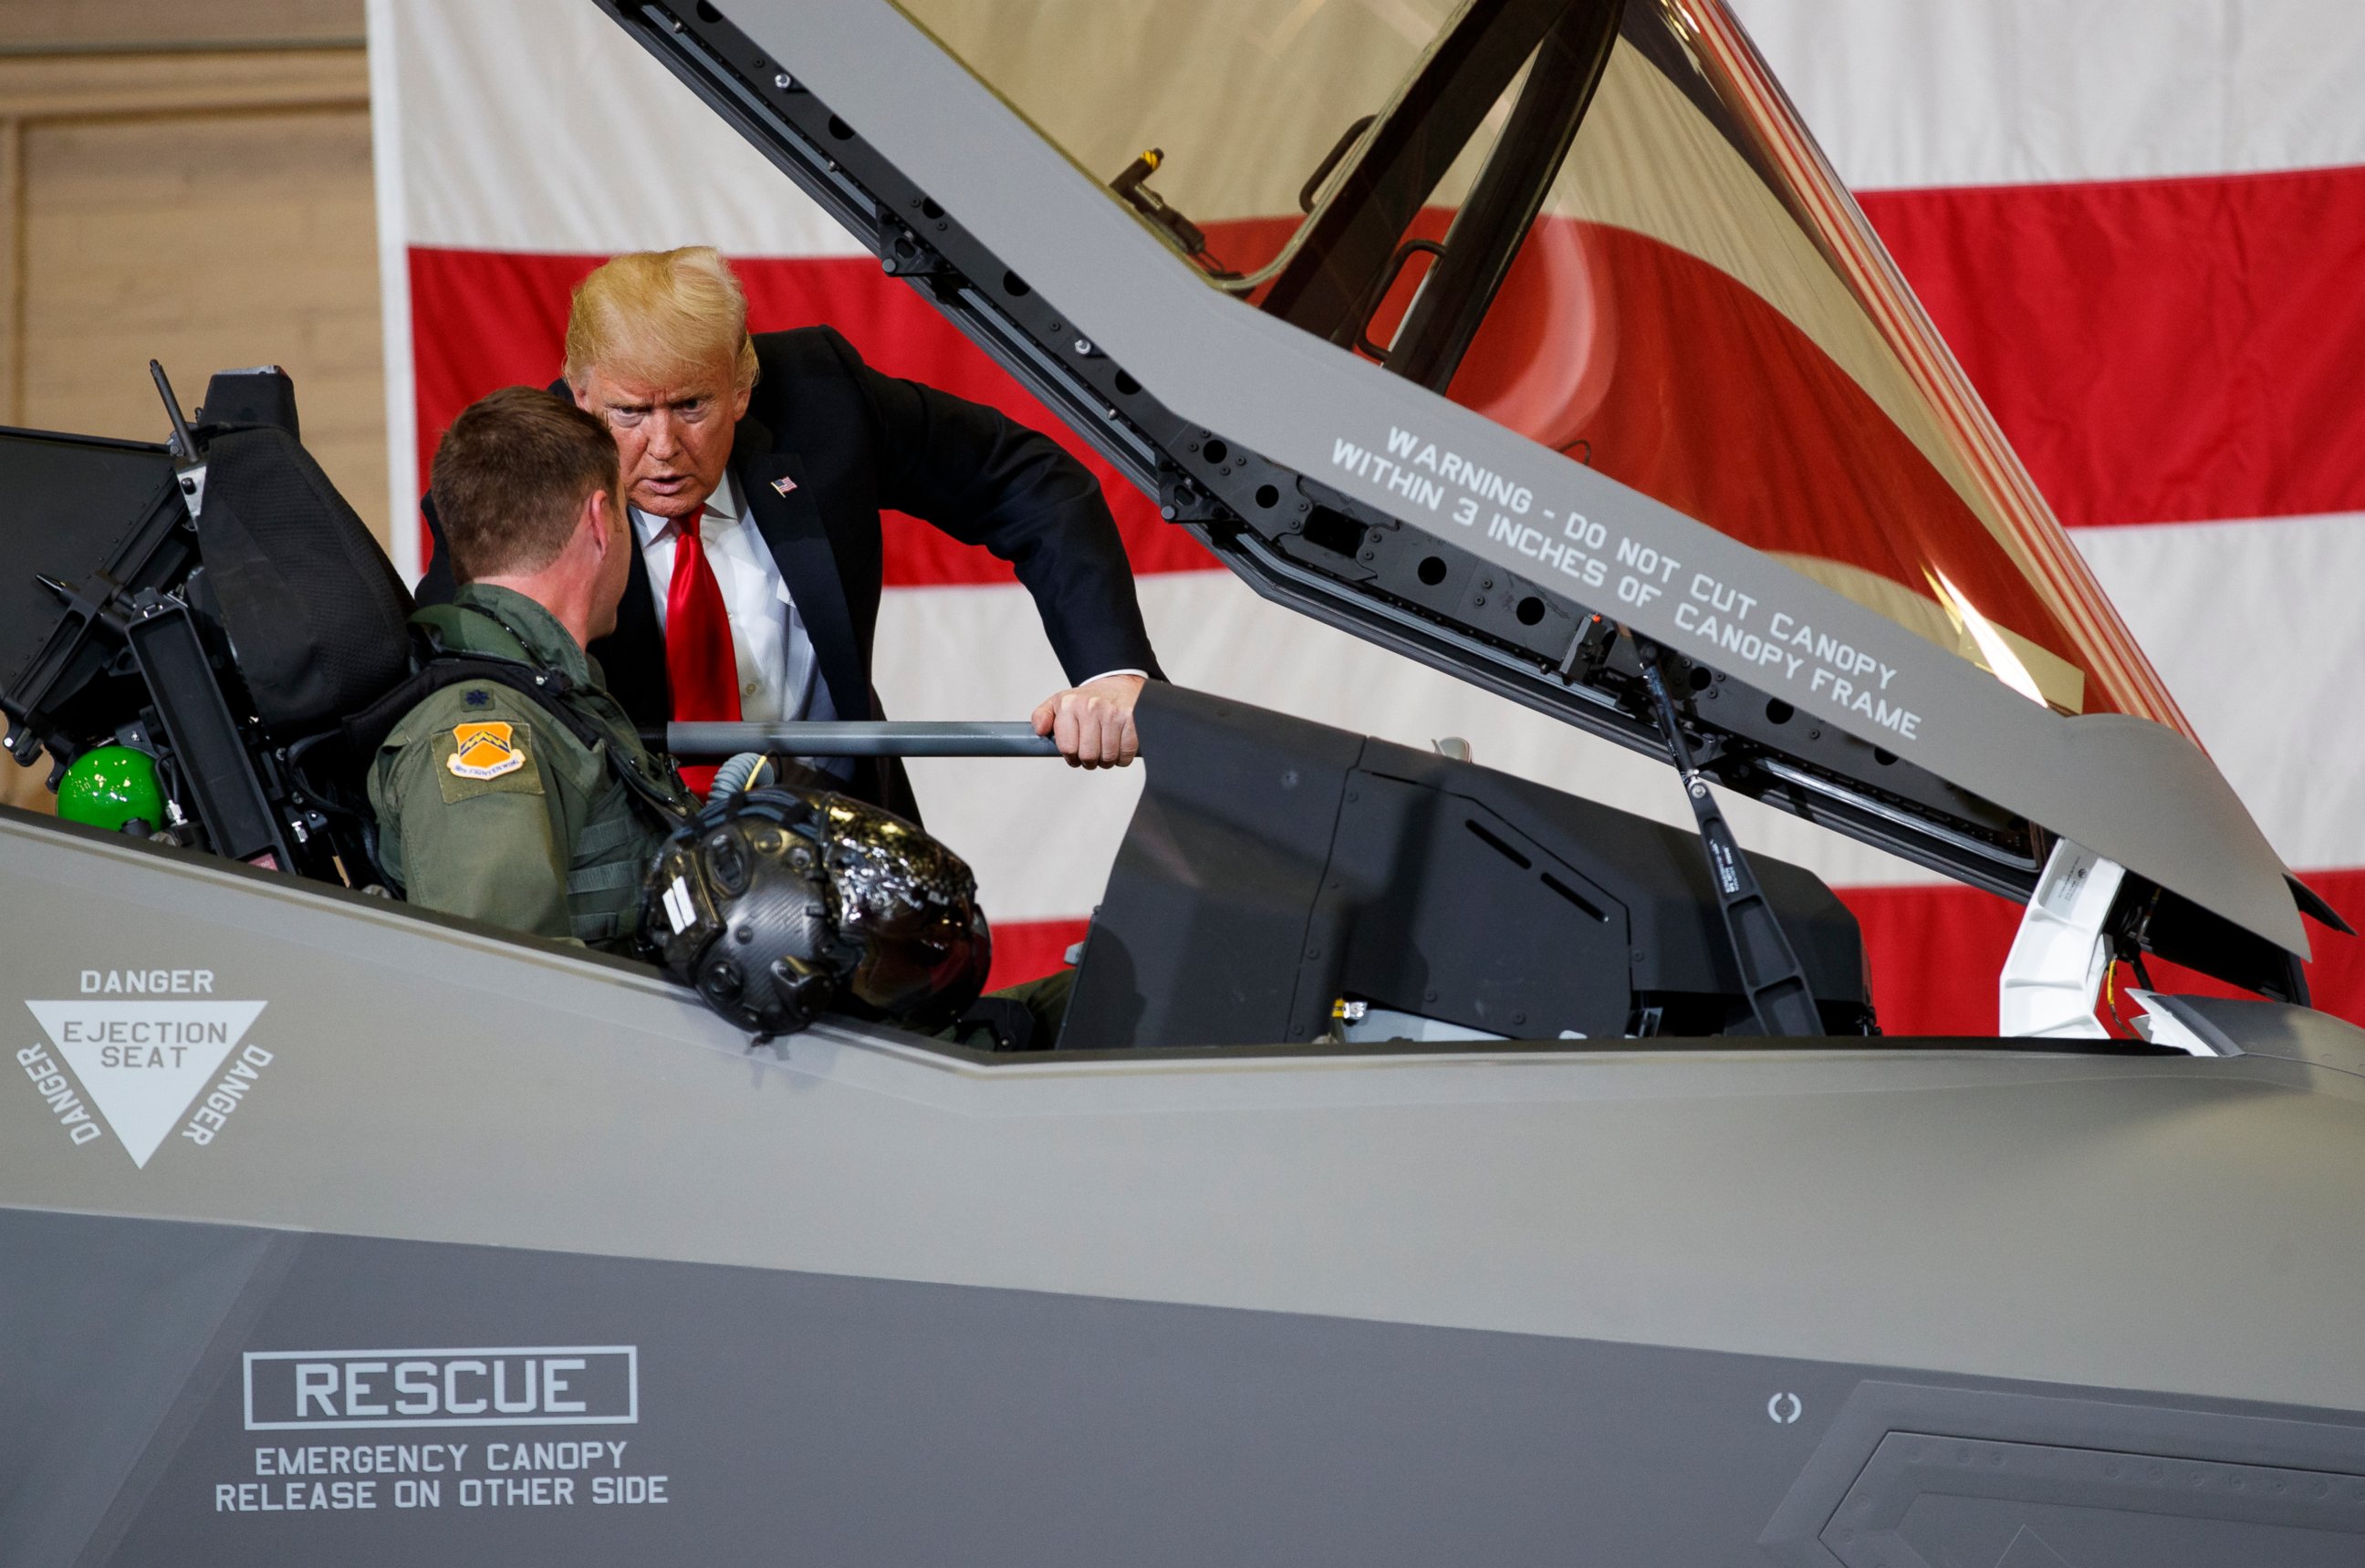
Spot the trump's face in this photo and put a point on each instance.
(673, 437)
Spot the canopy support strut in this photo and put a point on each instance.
(2054, 975)
(1770, 973)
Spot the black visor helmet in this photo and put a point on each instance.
(780, 904)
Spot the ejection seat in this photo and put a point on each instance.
(212, 602)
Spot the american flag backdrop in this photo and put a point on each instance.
(2139, 223)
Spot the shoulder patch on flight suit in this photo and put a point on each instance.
(486, 750)
(487, 756)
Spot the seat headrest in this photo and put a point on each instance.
(314, 609)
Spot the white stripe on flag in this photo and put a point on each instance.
(2252, 624)
(1919, 93)
(2256, 629)
(537, 125)
(389, 133)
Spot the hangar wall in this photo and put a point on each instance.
(192, 184)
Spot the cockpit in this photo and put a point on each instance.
(211, 607)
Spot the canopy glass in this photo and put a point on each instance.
(1601, 224)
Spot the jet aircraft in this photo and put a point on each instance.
(1436, 1165)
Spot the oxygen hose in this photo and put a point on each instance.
(747, 770)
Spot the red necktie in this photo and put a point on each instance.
(698, 661)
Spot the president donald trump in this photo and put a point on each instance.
(754, 469)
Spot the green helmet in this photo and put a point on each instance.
(109, 787)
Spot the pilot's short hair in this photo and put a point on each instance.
(653, 315)
(510, 478)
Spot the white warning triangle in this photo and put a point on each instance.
(142, 1062)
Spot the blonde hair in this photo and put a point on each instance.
(656, 314)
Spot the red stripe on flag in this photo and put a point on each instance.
(2157, 350)
(482, 320)
(1935, 953)
(1029, 949)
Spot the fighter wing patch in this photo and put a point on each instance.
(486, 750)
(487, 756)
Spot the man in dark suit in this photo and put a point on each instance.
(754, 469)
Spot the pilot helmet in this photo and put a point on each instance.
(779, 905)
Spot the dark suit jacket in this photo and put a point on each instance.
(852, 442)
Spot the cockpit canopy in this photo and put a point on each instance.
(1468, 328)
(1601, 224)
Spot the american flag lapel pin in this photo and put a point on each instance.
(784, 484)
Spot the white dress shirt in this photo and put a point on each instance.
(779, 678)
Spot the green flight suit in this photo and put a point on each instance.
(490, 807)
